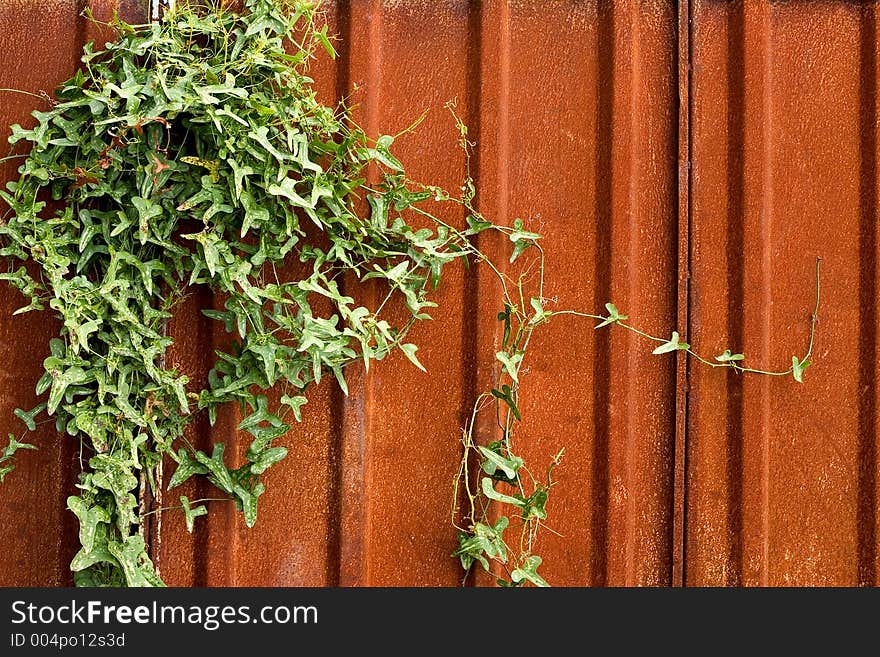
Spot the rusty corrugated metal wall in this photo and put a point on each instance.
(688, 161)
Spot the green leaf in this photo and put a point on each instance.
(29, 417)
(268, 458)
(728, 357)
(490, 492)
(191, 513)
(495, 461)
(672, 345)
(11, 448)
(798, 367)
(218, 473)
(295, 404)
(89, 517)
(614, 316)
(410, 351)
(540, 315)
(511, 363)
(484, 541)
(186, 468)
(528, 571)
(248, 502)
(505, 394)
(132, 557)
(61, 381)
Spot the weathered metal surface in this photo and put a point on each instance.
(781, 478)
(573, 108)
(588, 151)
(686, 161)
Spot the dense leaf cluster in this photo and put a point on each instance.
(194, 152)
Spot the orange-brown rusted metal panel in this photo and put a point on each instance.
(574, 108)
(781, 478)
(586, 147)
(370, 474)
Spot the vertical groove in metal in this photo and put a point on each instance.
(757, 202)
(679, 488)
(337, 462)
(867, 370)
(632, 358)
(604, 140)
(470, 291)
(736, 247)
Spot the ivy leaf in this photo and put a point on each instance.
(505, 394)
(528, 571)
(89, 517)
(614, 316)
(672, 345)
(61, 380)
(382, 154)
(29, 417)
(490, 492)
(495, 461)
(728, 357)
(191, 513)
(409, 351)
(8, 451)
(186, 468)
(287, 189)
(132, 557)
(484, 541)
(295, 404)
(218, 473)
(540, 315)
(510, 362)
(247, 500)
(521, 238)
(798, 367)
(268, 458)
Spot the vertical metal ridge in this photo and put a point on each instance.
(679, 487)
(492, 169)
(866, 510)
(633, 353)
(503, 158)
(757, 281)
(605, 80)
(364, 62)
(372, 116)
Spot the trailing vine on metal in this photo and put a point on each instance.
(193, 152)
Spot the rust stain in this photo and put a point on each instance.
(685, 160)
(781, 484)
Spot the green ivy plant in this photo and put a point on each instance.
(193, 152)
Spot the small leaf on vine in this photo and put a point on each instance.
(410, 351)
(494, 461)
(528, 571)
(614, 316)
(674, 344)
(511, 363)
(798, 367)
(728, 357)
(191, 513)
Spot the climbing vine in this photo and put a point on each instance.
(193, 152)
